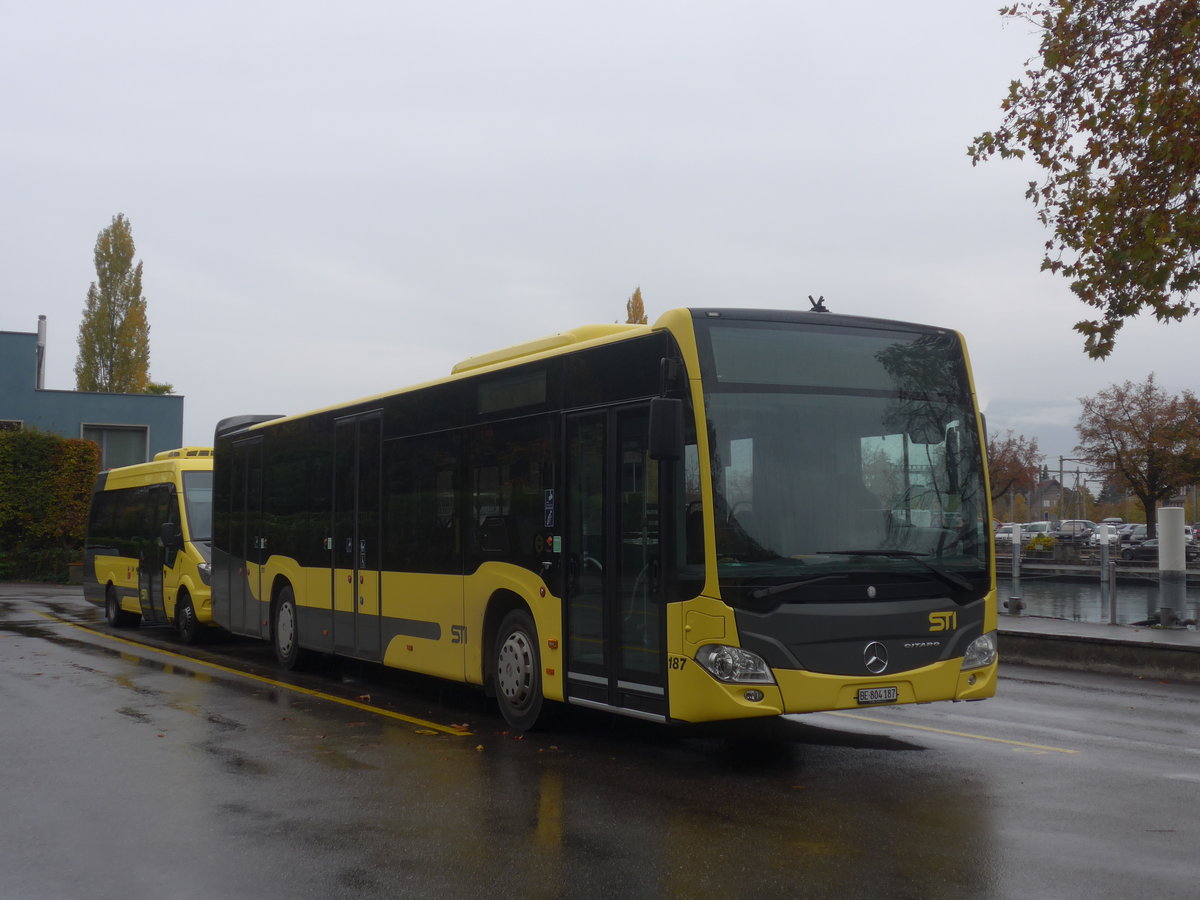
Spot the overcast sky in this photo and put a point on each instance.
(332, 200)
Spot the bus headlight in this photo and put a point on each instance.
(733, 664)
(981, 652)
(205, 570)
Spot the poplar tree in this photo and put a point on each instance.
(114, 336)
(635, 312)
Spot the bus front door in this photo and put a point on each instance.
(614, 607)
(247, 613)
(356, 539)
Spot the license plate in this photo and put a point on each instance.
(878, 695)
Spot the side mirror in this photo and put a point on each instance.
(171, 535)
(666, 428)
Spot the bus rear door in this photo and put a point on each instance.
(356, 541)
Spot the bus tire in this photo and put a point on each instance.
(117, 617)
(285, 631)
(517, 671)
(185, 619)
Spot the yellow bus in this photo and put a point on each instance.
(729, 513)
(148, 552)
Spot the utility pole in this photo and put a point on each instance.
(1060, 487)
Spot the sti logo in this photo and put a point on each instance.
(943, 621)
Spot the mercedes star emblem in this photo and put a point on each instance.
(875, 657)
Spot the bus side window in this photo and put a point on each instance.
(173, 521)
(421, 522)
(511, 476)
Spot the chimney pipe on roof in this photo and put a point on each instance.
(41, 353)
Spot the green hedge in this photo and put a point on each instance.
(45, 487)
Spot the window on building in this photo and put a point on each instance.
(120, 445)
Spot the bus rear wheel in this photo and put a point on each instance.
(285, 631)
(518, 671)
(117, 617)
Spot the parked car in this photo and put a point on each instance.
(1132, 534)
(1074, 530)
(1004, 534)
(1094, 538)
(1149, 550)
(1135, 534)
(1032, 529)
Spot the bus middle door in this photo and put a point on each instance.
(153, 556)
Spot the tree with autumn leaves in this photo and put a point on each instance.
(1148, 440)
(1110, 113)
(1013, 464)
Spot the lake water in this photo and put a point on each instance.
(1080, 601)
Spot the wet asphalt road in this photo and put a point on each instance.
(131, 771)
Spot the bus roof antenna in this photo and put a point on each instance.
(818, 305)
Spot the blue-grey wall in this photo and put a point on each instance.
(65, 412)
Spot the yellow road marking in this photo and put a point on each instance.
(962, 734)
(411, 720)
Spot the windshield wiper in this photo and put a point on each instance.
(951, 578)
(763, 593)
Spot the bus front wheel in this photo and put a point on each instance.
(518, 671)
(185, 619)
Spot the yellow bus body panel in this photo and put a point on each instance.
(431, 599)
(452, 607)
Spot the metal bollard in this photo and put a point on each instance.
(1105, 592)
(1112, 593)
(1172, 565)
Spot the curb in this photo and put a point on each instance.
(1142, 659)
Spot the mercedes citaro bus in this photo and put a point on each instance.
(147, 556)
(729, 513)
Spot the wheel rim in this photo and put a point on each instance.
(186, 618)
(285, 629)
(514, 669)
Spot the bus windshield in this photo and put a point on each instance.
(838, 454)
(197, 495)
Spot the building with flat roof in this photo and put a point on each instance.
(130, 428)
